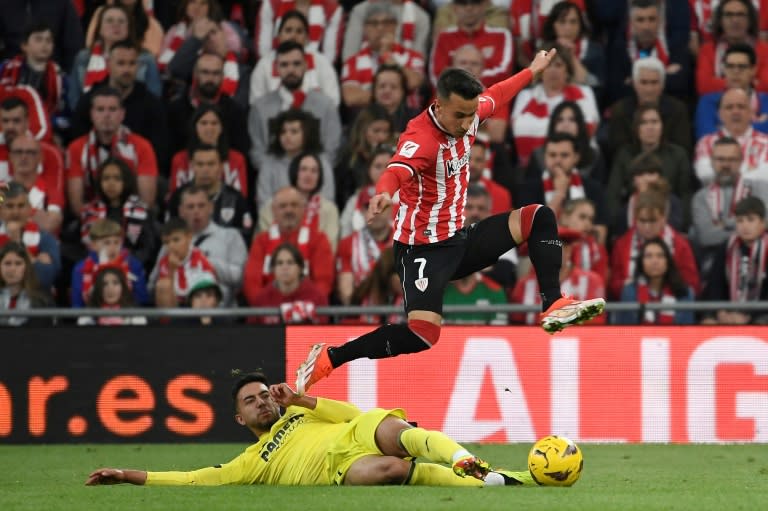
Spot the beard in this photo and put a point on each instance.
(292, 83)
(726, 178)
(208, 90)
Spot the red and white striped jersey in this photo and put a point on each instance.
(754, 148)
(432, 201)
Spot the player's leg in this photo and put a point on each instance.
(375, 469)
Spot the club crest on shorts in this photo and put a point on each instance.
(421, 284)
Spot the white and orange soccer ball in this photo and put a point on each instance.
(555, 461)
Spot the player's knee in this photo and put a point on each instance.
(429, 332)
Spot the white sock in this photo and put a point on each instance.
(494, 479)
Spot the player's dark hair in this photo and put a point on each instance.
(14, 102)
(460, 82)
(288, 46)
(35, 27)
(173, 225)
(558, 137)
(293, 170)
(750, 206)
(130, 186)
(672, 277)
(291, 249)
(106, 92)
(245, 379)
(294, 15)
(742, 48)
(717, 18)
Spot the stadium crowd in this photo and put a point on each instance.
(204, 153)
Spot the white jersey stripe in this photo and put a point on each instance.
(441, 188)
(412, 236)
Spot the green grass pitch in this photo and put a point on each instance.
(621, 477)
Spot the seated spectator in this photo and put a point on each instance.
(501, 200)
(149, 32)
(382, 286)
(527, 20)
(106, 249)
(736, 121)
(574, 281)
(567, 117)
(413, 24)
(380, 48)
(111, 290)
(292, 132)
(353, 215)
(181, 264)
(372, 127)
(531, 112)
(494, 43)
(230, 207)
(288, 207)
(586, 253)
(291, 66)
(207, 127)
(650, 216)
(205, 293)
(475, 289)
(648, 76)
(324, 20)
(561, 181)
(117, 200)
(320, 73)
(306, 175)
(17, 224)
(35, 67)
(734, 22)
(294, 293)
(19, 288)
(702, 23)
(656, 280)
(445, 15)
(740, 70)
(646, 37)
(47, 201)
(109, 137)
(390, 90)
(113, 24)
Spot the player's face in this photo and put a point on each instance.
(308, 175)
(749, 227)
(12, 269)
(255, 407)
(654, 261)
(39, 46)
(293, 30)
(456, 114)
(650, 223)
(112, 182)
(112, 289)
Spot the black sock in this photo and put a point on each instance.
(384, 342)
(546, 252)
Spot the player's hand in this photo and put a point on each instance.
(541, 61)
(379, 204)
(283, 395)
(105, 476)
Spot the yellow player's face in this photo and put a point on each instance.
(255, 407)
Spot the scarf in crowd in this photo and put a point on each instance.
(299, 311)
(37, 195)
(745, 266)
(580, 48)
(92, 267)
(96, 70)
(312, 213)
(408, 24)
(586, 253)
(538, 105)
(365, 253)
(646, 295)
(659, 50)
(315, 17)
(575, 189)
(274, 240)
(135, 214)
(190, 271)
(52, 84)
(716, 200)
(93, 153)
(30, 237)
(668, 235)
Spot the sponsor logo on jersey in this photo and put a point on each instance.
(408, 149)
(421, 284)
(277, 441)
(454, 166)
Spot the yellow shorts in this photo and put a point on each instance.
(356, 441)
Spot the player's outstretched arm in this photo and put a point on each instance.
(504, 91)
(379, 205)
(116, 476)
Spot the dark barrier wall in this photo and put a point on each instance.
(154, 384)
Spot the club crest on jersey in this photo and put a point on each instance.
(454, 166)
(408, 149)
(421, 284)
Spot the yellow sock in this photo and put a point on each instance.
(431, 474)
(432, 445)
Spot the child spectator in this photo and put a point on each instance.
(18, 285)
(111, 290)
(205, 293)
(106, 248)
(586, 252)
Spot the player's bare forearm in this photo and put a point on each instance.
(116, 476)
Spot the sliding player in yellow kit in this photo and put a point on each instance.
(319, 441)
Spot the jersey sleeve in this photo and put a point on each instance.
(486, 107)
(335, 411)
(233, 472)
(415, 153)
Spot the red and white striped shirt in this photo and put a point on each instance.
(360, 67)
(494, 43)
(754, 148)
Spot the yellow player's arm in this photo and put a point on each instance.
(327, 409)
(229, 473)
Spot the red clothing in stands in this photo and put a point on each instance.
(307, 293)
(709, 74)
(235, 172)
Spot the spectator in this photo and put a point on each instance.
(205, 293)
(736, 120)
(649, 140)
(656, 280)
(117, 199)
(144, 112)
(586, 253)
(495, 43)
(16, 224)
(181, 264)
(648, 77)
(531, 112)
(527, 19)
(47, 202)
(445, 15)
(19, 288)
(291, 67)
(207, 127)
(320, 73)
(501, 200)
(413, 25)
(306, 175)
(353, 215)
(740, 70)
(291, 291)
(291, 133)
(230, 207)
(380, 48)
(111, 290)
(650, 214)
(288, 207)
(35, 67)
(479, 290)
(59, 14)
(149, 32)
(381, 287)
(739, 271)
(109, 137)
(324, 19)
(390, 88)
(113, 24)
(207, 87)
(734, 22)
(106, 249)
(701, 21)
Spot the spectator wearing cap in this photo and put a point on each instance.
(205, 293)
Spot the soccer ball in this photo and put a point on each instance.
(555, 461)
